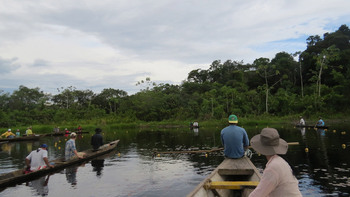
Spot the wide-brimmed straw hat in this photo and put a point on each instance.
(268, 142)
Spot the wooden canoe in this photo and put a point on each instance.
(24, 138)
(233, 177)
(18, 176)
(312, 126)
(62, 133)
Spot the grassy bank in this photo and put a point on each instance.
(110, 123)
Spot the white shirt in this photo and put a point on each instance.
(36, 158)
(302, 121)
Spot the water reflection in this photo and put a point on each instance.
(40, 185)
(195, 131)
(71, 175)
(7, 147)
(138, 173)
(97, 165)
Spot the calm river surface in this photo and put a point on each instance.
(323, 159)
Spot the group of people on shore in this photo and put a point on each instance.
(38, 158)
(278, 177)
(9, 134)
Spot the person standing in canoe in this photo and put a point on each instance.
(70, 149)
(234, 139)
(320, 123)
(278, 178)
(302, 121)
(38, 159)
(8, 134)
(97, 139)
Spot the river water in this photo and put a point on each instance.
(322, 157)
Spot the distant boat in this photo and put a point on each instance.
(63, 133)
(312, 126)
(24, 138)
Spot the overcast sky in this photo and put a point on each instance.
(101, 44)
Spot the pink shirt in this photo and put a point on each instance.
(277, 180)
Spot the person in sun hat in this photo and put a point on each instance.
(38, 159)
(278, 178)
(70, 149)
(234, 139)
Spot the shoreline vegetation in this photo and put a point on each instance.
(254, 121)
(309, 83)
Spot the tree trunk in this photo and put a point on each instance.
(267, 94)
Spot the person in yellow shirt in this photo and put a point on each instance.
(8, 134)
(29, 131)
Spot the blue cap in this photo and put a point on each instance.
(43, 146)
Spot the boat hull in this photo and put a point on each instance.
(312, 126)
(229, 171)
(26, 138)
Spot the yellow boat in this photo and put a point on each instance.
(233, 177)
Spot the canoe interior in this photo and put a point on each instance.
(16, 177)
(229, 170)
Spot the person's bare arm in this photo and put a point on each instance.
(76, 153)
(28, 162)
(47, 162)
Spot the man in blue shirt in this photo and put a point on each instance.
(70, 149)
(234, 138)
(320, 122)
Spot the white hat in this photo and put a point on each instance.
(73, 134)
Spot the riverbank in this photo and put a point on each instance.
(109, 124)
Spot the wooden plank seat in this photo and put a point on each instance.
(235, 185)
(235, 167)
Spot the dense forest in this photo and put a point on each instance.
(307, 82)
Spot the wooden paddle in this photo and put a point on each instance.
(208, 151)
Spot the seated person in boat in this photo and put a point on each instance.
(234, 138)
(8, 134)
(56, 129)
(278, 178)
(29, 131)
(302, 121)
(320, 122)
(37, 159)
(66, 131)
(96, 139)
(195, 124)
(70, 149)
(18, 133)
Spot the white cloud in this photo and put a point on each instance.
(102, 44)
